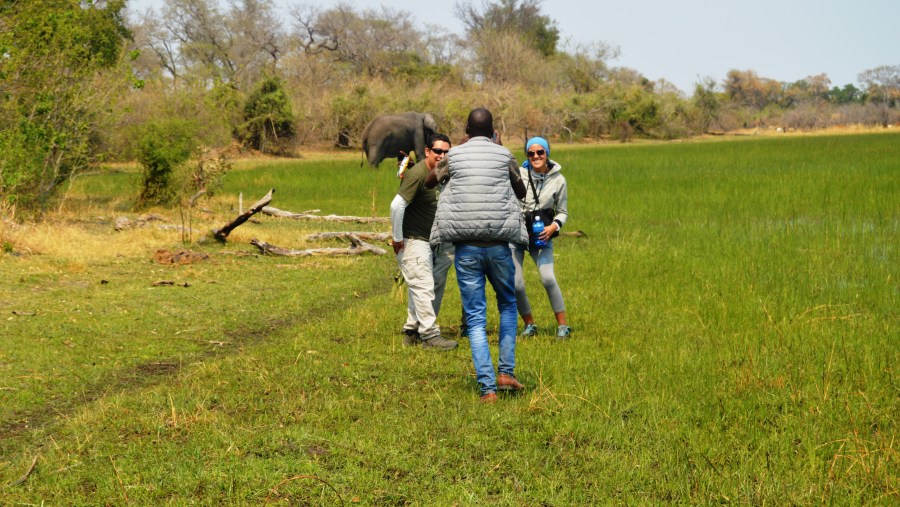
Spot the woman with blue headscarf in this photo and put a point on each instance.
(546, 191)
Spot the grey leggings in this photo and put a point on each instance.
(544, 261)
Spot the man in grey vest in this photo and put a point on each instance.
(479, 212)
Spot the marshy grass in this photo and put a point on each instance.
(735, 307)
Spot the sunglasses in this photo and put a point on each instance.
(538, 153)
(438, 151)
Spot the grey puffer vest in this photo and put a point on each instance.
(478, 202)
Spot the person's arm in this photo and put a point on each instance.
(562, 206)
(398, 209)
(440, 174)
(515, 179)
(562, 213)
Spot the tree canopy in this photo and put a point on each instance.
(79, 80)
(56, 81)
(523, 18)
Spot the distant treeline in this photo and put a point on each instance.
(80, 82)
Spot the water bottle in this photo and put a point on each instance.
(538, 227)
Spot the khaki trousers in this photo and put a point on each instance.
(415, 262)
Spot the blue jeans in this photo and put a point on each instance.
(474, 265)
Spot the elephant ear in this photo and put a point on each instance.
(429, 123)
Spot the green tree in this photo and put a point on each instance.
(522, 17)
(58, 74)
(849, 94)
(585, 66)
(269, 123)
(164, 146)
(633, 110)
(706, 105)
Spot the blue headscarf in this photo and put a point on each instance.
(536, 140)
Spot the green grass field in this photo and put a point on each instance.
(736, 308)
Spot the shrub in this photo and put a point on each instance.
(209, 172)
(269, 124)
(58, 73)
(163, 147)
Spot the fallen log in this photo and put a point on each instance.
(221, 234)
(369, 236)
(144, 220)
(275, 212)
(357, 247)
(163, 256)
(179, 228)
(170, 283)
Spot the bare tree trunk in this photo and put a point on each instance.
(357, 247)
(370, 236)
(275, 212)
(221, 234)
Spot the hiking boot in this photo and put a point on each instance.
(489, 398)
(439, 343)
(530, 330)
(563, 332)
(508, 383)
(411, 337)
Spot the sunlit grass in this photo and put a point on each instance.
(736, 321)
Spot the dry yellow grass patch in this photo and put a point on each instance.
(75, 241)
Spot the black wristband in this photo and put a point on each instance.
(558, 223)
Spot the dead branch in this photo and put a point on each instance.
(119, 480)
(179, 228)
(24, 478)
(221, 234)
(163, 256)
(357, 247)
(196, 196)
(369, 236)
(169, 283)
(275, 212)
(577, 234)
(144, 220)
(274, 490)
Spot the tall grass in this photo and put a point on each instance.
(735, 307)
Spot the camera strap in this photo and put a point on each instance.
(534, 191)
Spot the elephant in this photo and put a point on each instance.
(388, 135)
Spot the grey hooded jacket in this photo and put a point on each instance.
(551, 192)
(478, 202)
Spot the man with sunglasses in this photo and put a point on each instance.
(412, 215)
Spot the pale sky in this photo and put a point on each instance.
(683, 41)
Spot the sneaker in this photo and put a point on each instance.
(508, 383)
(411, 337)
(563, 331)
(439, 343)
(530, 330)
(489, 398)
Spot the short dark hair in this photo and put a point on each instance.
(437, 137)
(480, 123)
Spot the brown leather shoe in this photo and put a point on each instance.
(508, 383)
(489, 398)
